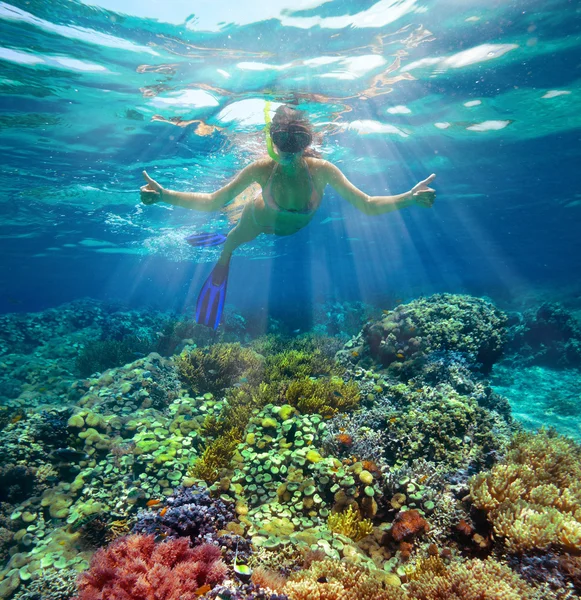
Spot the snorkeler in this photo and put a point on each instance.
(291, 188)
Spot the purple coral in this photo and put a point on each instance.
(190, 512)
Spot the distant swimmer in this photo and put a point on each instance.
(289, 192)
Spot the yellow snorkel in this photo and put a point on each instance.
(269, 145)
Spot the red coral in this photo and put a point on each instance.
(136, 568)
(407, 525)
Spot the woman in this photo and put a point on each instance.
(292, 185)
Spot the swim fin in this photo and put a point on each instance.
(206, 239)
(212, 296)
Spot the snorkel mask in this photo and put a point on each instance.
(292, 139)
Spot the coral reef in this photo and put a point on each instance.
(447, 322)
(548, 335)
(334, 477)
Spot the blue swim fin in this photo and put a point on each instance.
(212, 296)
(206, 239)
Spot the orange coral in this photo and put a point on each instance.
(407, 525)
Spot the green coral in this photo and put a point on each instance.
(269, 345)
(218, 367)
(217, 456)
(100, 355)
(439, 424)
(295, 364)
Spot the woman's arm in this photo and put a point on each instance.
(154, 192)
(377, 205)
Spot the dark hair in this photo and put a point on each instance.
(291, 130)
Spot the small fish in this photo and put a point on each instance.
(393, 420)
(243, 571)
(297, 330)
(69, 455)
(203, 590)
(138, 354)
(399, 355)
(337, 394)
(163, 511)
(152, 502)
(385, 311)
(354, 354)
(243, 379)
(212, 371)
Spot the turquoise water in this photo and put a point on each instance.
(384, 363)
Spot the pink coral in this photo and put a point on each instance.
(136, 568)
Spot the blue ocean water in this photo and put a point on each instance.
(486, 95)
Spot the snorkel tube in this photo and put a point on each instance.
(269, 144)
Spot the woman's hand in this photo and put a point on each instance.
(152, 191)
(422, 194)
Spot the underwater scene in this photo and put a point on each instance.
(290, 300)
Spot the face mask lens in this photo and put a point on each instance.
(291, 141)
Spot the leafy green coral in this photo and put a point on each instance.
(217, 456)
(325, 396)
(218, 367)
(533, 498)
(294, 364)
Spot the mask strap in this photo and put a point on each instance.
(269, 144)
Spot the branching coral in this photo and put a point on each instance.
(215, 368)
(339, 580)
(350, 523)
(533, 499)
(136, 568)
(472, 580)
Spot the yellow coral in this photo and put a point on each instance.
(472, 580)
(340, 580)
(533, 499)
(350, 524)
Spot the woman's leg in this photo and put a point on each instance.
(246, 230)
